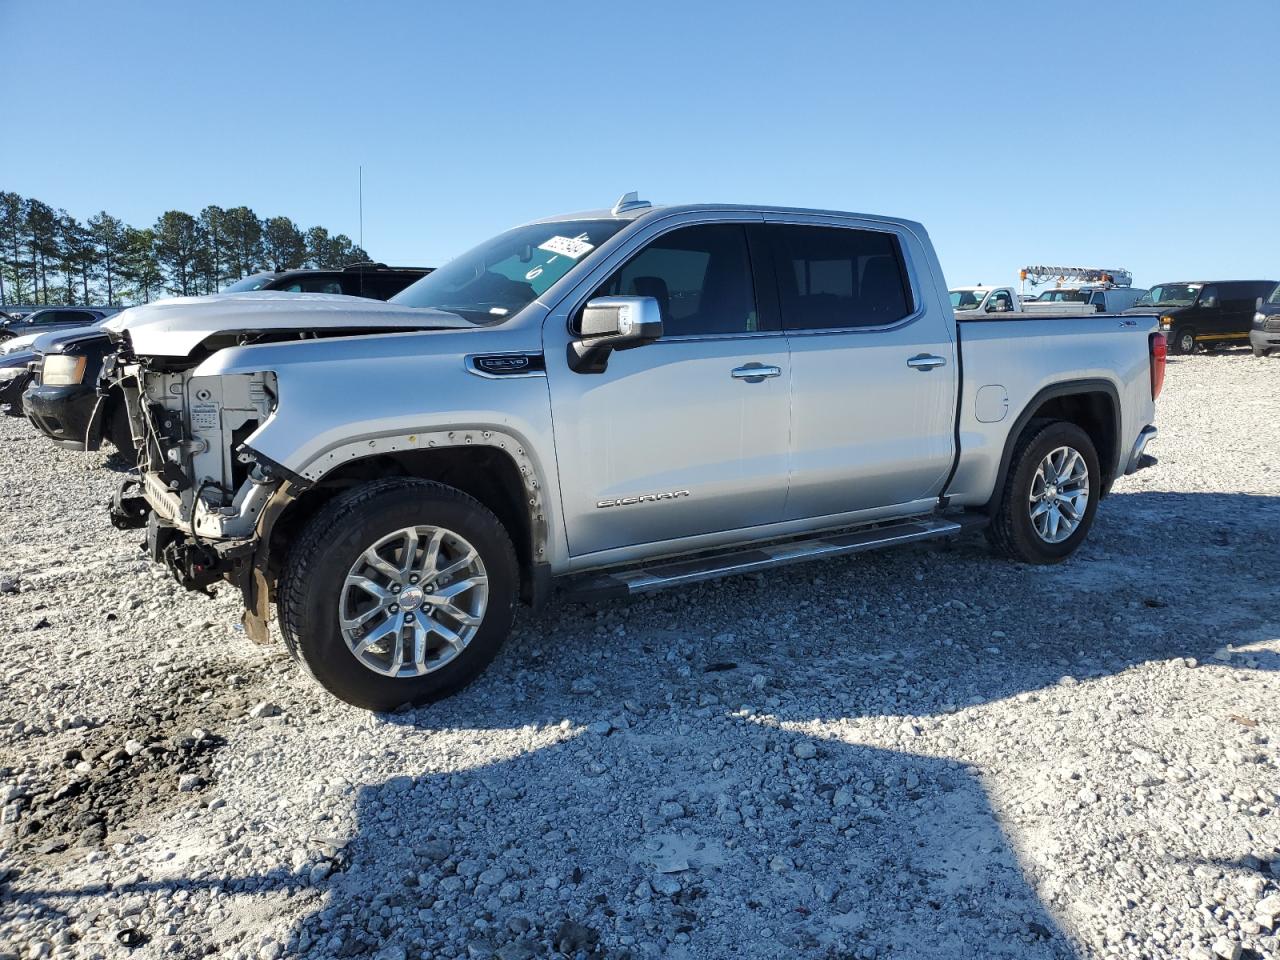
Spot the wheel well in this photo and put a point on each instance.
(1095, 414)
(486, 473)
(1095, 411)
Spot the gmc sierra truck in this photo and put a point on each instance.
(599, 405)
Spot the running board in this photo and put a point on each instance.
(674, 573)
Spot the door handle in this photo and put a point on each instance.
(926, 361)
(755, 372)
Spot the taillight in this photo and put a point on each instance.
(1159, 354)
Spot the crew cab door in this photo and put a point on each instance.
(686, 435)
(873, 369)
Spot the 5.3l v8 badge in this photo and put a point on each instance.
(643, 498)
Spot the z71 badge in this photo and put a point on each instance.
(643, 498)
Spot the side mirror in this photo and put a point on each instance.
(613, 323)
(1257, 305)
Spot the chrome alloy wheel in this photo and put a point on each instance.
(1059, 494)
(413, 601)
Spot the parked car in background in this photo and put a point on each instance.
(55, 318)
(1264, 335)
(732, 388)
(1209, 312)
(376, 281)
(970, 302)
(19, 357)
(61, 397)
(61, 394)
(14, 377)
(1084, 300)
(16, 311)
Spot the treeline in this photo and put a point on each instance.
(49, 257)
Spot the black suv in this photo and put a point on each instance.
(62, 399)
(1209, 312)
(375, 281)
(1265, 333)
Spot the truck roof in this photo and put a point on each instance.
(642, 210)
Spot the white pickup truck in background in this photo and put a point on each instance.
(1083, 301)
(970, 303)
(1077, 292)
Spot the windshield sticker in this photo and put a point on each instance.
(573, 247)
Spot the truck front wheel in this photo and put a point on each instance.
(398, 591)
(1184, 340)
(1050, 495)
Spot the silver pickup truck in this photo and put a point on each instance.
(604, 404)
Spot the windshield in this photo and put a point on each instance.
(504, 275)
(1061, 296)
(966, 299)
(1169, 295)
(1275, 296)
(255, 282)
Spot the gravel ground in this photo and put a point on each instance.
(922, 753)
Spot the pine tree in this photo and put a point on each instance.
(283, 244)
(12, 244)
(319, 250)
(75, 258)
(177, 250)
(107, 234)
(213, 228)
(138, 263)
(244, 239)
(42, 242)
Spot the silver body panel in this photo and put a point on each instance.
(1023, 357)
(684, 454)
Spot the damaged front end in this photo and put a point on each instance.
(205, 498)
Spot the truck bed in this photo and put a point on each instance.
(1007, 362)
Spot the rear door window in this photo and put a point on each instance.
(832, 278)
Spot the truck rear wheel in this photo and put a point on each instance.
(399, 591)
(1050, 495)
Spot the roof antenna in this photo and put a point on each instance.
(630, 201)
(364, 255)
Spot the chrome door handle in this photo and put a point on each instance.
(755, 372)
(926, 361)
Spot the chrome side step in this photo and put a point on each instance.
(673, 573)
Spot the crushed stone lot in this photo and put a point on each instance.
(922, 753)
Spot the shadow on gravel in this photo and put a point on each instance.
(657, 802)
(689, 826)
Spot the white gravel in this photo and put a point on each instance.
(924, 753)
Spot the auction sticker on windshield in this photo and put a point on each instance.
(573, 247)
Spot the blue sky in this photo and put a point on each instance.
(1143, 135)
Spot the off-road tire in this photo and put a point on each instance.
(1176, 344)
(318, 561)
(1011, 530)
